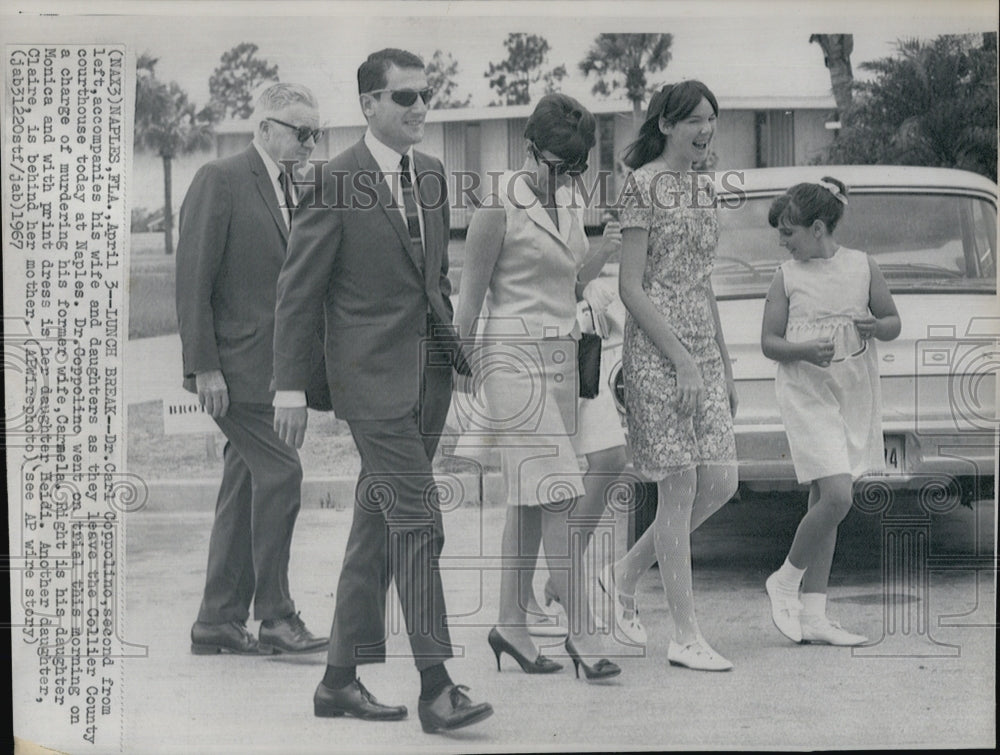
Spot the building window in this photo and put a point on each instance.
(606, 142)
(473, 149)
(516, 151)
(775, 136)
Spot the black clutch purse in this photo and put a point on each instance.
(588, 357)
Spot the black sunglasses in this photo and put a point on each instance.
(302, 133)
(559, 167)
(406, 97)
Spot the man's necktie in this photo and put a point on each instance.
(410, 204)
(285, 179)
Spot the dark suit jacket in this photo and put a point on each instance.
(350, 262)
(231, 245)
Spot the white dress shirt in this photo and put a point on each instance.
(388, 162)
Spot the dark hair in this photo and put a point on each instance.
(805, 203)
(674, 103)
(372, 73)
(562, 126)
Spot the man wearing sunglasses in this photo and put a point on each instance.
(376, 273)
(233, 233)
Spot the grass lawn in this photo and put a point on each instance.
(152, 279)
(329, 448)
(152, 311)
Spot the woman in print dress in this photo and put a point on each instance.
(679, 390)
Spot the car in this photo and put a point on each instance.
(933, 233)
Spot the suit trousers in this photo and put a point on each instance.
(397, 534)
(255, 514)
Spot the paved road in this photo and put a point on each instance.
(929, 682)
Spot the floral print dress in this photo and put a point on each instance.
(678, 212)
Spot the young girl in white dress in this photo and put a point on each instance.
(823, 309)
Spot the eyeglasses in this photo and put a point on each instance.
(302, 133)
(559, 167)
(406, 97)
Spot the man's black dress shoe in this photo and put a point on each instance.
(354, 700)
(452, 709)
(289, 635)
(230, 637)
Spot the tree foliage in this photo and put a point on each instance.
(441, 72)
(933, 103)
(233, 83)
(623, 61)
(169, 124)
(516, 77)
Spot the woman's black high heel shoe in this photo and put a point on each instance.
(541, 664)
(603, 669)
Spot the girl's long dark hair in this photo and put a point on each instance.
(674, 102)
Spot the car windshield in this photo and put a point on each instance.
(922, 242)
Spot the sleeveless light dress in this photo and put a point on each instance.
(832, 415)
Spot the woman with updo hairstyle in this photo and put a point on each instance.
(679, 391)
(525, 254)
(562, 126)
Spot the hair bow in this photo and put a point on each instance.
(833, 189)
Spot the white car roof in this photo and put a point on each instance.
(858, 178)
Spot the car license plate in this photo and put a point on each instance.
(894, 454)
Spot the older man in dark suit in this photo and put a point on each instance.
(234, 227)
(369, 256)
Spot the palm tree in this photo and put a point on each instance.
(166, 122)
(624, 60)
(837, 49)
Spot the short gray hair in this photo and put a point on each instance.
(273, 100)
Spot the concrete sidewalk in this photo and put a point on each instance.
(937, 690)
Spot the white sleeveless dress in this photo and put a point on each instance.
(832, 415)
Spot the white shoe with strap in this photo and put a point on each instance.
(785, 609)
(554, 625)
(822, 631)
(697, 655)
(626, 612)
